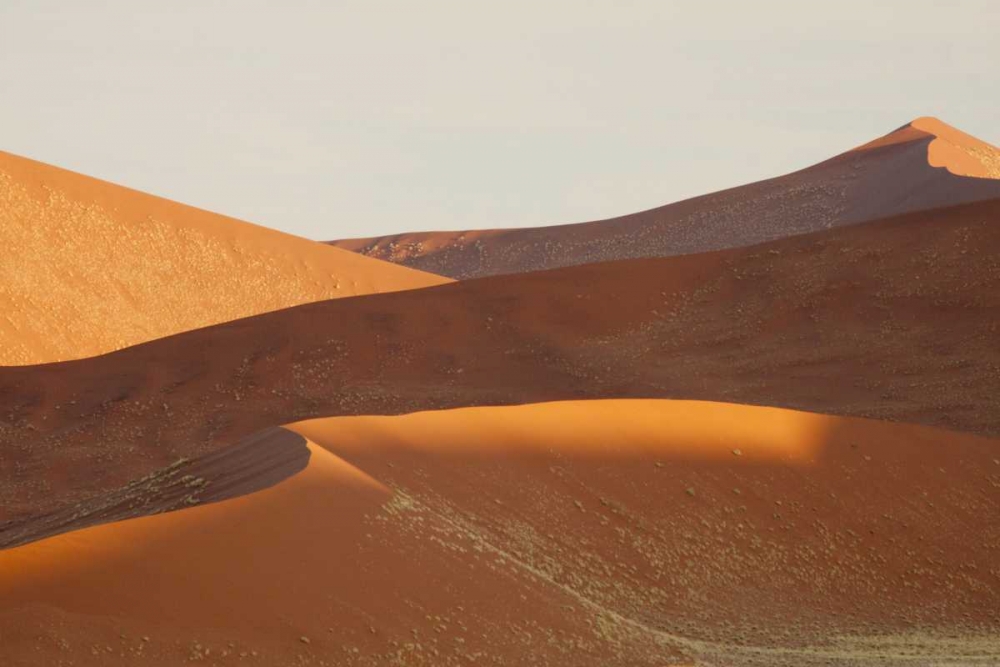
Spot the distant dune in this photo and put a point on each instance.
(949, 148)
(924, 164)
(585, 533)
(90, 267)
(893, 320)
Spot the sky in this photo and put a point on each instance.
(336, 119)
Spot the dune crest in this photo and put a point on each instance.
(949, 148)
(255, 462)
(894, 174)
(92, 267)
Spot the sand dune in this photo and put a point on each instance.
(488, 471)
(924, 164)
(948, 148)
(91, 267)
(255, 462)
(893, 320)
(585, 533)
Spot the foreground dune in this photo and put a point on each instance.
(91, 267)
(924, 164)
(586, 533)
(894, 320)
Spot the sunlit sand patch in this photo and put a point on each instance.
(99, 267)
(606, 429)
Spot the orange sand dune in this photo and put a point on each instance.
(91, 267)
(949, 148)
(585, 533)
(894, 320)
(924, 164)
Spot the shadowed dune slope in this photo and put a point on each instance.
(91, 267)
(255, 462)
(893, 320)
(588, 533)
(924, 164)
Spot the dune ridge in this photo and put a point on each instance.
(949, 148)
(643, 532)
(924, 164)
(890, 320)
(94, 267)
(255, 462)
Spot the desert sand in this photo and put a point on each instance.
(638, 532)
(923, 164)
(891, 320)
(92, 267)
(757, 428)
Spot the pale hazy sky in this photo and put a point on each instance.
(336, 119)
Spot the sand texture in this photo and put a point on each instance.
(92, 267)
(635, 532)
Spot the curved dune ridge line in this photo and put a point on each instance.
(637, 532)
(255, 462)
(848, 321)
(92, 267)
(960, 153)
(924, 164)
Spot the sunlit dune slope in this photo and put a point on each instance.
(91, 267)
(893, 320)
(585, 533)
(924, 164)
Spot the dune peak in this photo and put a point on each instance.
(949, 148)
(931, 124)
